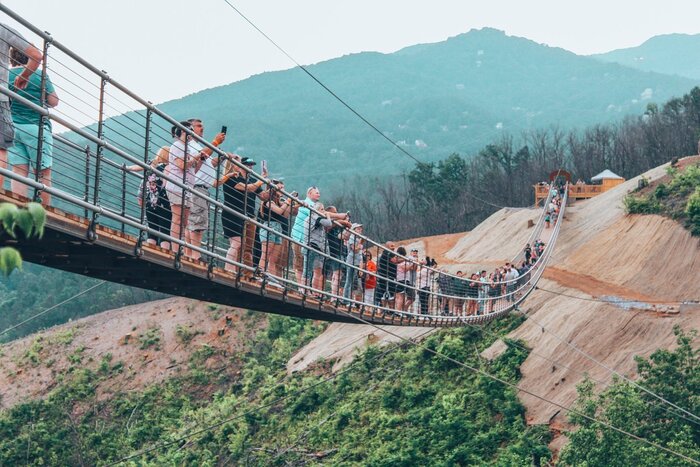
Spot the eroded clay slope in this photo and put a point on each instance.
(601, 254)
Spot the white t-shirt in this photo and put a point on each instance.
(424, 277)
(177, 151)
(402, 272)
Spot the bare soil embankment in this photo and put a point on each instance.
(152, 341)
(602, 254)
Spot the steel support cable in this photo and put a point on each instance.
(610, 369)
(512, 343)
(42, 313)
(123, 113)
(528, 392)
(308, 431)
(259, 408)
(622, 301)
(107, 93)
(106, 124)
(340, 99)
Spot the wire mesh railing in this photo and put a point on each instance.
(160, 183)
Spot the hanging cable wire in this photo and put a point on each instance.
(342, 101)
(528, 392)
(610, 369)
(320, 83)
(618, 302)
(261, 407)
(42, 313)
(512, 343)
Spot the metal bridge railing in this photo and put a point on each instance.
(101, 171)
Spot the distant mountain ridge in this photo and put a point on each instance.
(672, 54)
(434, 99)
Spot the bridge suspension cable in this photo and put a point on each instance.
(51, 308)
(208, 428)
(568, 409)
(343, 101)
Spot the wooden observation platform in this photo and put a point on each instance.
(600, 183)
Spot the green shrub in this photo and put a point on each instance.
(150, 338)
(661, 191)
(641, 205)
(185, 334)
(692, 210)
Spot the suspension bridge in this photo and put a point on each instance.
(97, 227)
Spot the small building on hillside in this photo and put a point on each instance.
(608, 179)
(600, 183)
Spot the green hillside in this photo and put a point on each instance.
(672, 54)
(436, 99)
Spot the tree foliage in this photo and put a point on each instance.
(400, 407)
(679, 198)
(27, 222)
(672, 374)
(457, 193)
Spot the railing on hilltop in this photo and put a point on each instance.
(94, 177)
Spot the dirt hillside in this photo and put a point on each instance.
(601, 254)
(153, 340)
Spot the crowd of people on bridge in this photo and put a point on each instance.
(300, 243)
(287, 242)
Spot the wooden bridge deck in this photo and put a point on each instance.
(112, 257)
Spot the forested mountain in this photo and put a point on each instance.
(672, 54)
(435, 99)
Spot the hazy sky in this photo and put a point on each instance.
(164, 49)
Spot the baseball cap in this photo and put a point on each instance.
(247, 161)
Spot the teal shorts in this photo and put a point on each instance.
(272, 235)
(26, 141)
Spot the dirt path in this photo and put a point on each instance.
(598, 288)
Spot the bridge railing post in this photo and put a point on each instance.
(98, 161)
(43, 121)
(183, 206)
(144, 179)
(86, 195)
(213, 234)
(123, 205)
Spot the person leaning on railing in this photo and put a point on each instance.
(157, 209)
(355, 246)
(181, 167)
(238, 190)
(317, 243)
(300, 231)
(160, 221)
(11, 38)
(403, 271)
(23, 155)
(205, 175)
(335, 248)
(273, 212)
(424, 279)
(369, 278)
